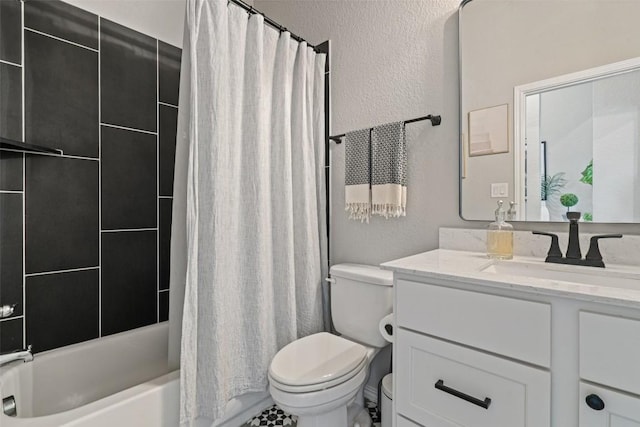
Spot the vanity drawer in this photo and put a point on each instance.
(506, 326)
(610, 351)
(519, 394)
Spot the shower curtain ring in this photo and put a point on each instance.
(250, 11)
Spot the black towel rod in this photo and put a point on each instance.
(435, 121)
(10, 144)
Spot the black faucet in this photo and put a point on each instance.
(574, 255)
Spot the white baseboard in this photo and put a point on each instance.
(371, 393)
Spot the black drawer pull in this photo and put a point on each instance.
(482, 403)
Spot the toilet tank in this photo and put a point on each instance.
(361, 295)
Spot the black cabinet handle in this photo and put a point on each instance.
(481, 403)
(594, 402)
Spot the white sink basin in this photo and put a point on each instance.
(625, 277)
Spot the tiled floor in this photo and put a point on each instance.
(272, 417)
(275, 417)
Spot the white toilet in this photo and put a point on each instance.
(320, 378)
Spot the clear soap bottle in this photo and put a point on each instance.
(500, 236)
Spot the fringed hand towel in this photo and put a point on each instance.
(389, 170)
(357, 174)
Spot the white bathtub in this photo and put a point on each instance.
(121, 380)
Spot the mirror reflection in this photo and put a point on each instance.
(580, 149)
(550, 109)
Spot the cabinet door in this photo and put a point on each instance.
(620, 410)
(440, 384)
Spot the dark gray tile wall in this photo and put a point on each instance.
(167, 137)
(164, 241)
(11, 250)
(61, 95)
(11, 171)
(61, 210)
(95, 223)
(11, 101)
(170, 59)
(129, 179)
(129, 269)
(62, 20)
(129, 69)
(62, 308)
(10, 31)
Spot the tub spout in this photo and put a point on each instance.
(24, 355)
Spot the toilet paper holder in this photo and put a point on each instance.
(386, 327)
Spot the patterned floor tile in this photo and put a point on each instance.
(273, 417)
(374, 412)
(276, 417)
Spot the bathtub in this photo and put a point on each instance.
(120, 380)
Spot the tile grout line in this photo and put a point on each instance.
(163, 290)
(3, 61)
(24, 184)
(99, 176)
(60, 39)
(63, 156)
(126, 230)
(166, 104)
(70, 270)
(158, 181)
(11, 192)
(8, 319)
(128, 128)
(165, 197)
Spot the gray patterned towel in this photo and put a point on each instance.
(357, 174)
(389, 170)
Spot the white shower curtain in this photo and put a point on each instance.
(256, 249)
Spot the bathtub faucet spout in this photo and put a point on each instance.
(24, 355)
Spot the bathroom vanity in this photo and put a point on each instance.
(485, 343)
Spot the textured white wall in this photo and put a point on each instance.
(391, 60)
(161, 19)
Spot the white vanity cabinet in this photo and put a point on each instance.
(469, 355)
(442, 377)
(609, 358)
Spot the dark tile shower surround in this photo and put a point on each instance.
(94, 225)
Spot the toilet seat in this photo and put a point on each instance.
(318, 386)
(316, 362)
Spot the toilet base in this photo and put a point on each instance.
(352, 416)
(337, 417)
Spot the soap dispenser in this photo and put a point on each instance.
(500, 236)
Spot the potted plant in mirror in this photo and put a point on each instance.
(569, 200)
(587, 178)
(549, 187)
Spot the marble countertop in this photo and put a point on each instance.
(468, 266)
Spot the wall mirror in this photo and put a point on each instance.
(550, 109)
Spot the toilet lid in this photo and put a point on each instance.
(315, 359)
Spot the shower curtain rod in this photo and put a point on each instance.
(435, 121)
(253, 11)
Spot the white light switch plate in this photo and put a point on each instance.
(500, 189)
